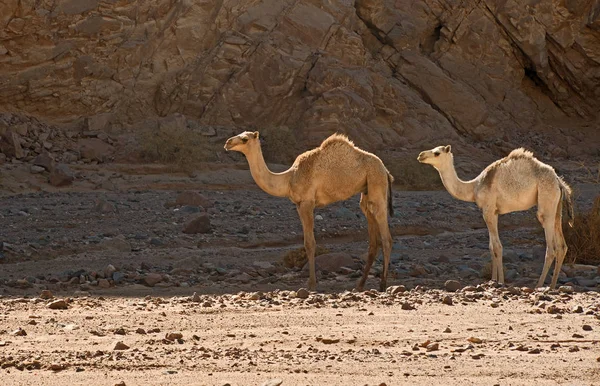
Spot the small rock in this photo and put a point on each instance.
(101, 206)
(256, 296)
(407, 306)
(122, 383)
(109, 270)
(57, 367)
(19, 332)
(273, 382)
(333, 262)
(452, 285)
(330, 340)
(103, 283)
(174, 336)
(534, 351)
(121, 346)
(447, 330)
(44, 160)
(58, 305)
(577, 310)
(587, 327)
(196, 298)
(302, 293)
(475, 340)
(566, 289)
(396, 289)
(193, 199)
(36, 169)
(433, 347)
(61, 175)
(140, 331)
(46, 294)
(118, 277)
(152, 279)
(200, 224)
(447, 300)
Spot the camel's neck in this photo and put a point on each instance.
(276, 184)
(459, 189)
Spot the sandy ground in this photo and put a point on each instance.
(232, 334)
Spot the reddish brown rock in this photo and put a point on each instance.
(200, 224)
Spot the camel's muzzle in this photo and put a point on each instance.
(228, 145)
(421, 157)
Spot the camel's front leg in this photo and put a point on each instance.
(491, 220)
(306, 213)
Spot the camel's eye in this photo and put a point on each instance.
(244, 139)
(436, 154)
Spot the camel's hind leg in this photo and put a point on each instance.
(306, 213)
(560, 249)
(386, 242)
(374, 240)
(547, 216)
(491, 220)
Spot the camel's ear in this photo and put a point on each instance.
(447, 149)
(255, 134)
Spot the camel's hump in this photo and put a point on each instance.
(336, 139)
(520, 153)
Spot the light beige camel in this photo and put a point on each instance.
(514, 183)
(334, 171)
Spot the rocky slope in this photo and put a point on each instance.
(392, 74)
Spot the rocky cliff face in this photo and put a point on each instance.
(392, 74)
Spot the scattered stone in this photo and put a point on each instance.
(61, 175)
(407, 306)
(193, 199)
(475, 340)
(46, 294)
(118, 277)
(116, 244)
(57, 367)
(102, 206)
(196, 298)
(152, 279)
(200, 224)
(172, 336)
(577, 309)
(396, 289)
(330, 340)
(273, 382)
(447, 330)
(109, 270)
(19, 332)
(256, 296)
(447, 300)
(58, 305)
(333, 262)
(587, 327)
(36, 169)
(534, 351)
(302, 293)
(140, 331)
(452, 285)
(44, 160)
(433, 347)
(103, 283)
(566, 289)
(121, 346)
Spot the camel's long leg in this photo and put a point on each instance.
(374, 241)
(491, 220)
(386, 241)
(549, 230)
(306, 213)
(560, 249)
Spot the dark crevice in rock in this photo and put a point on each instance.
(429, 101)
(428, 45)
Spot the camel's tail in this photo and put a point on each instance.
(389, 199)
(567, 197)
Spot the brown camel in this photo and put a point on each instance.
(334, 171)
(514, 183)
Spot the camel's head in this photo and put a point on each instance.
(242, 142)
(436, 156)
